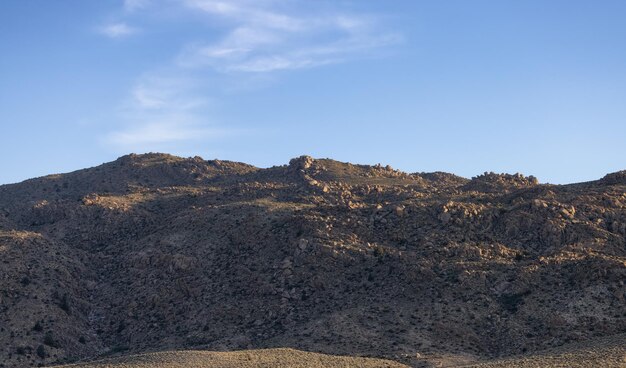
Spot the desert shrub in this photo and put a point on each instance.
(38, 327)
(41, 351)
(49, 340)
(119, 349)
(379, 251)
(65, 304)
(510, 302)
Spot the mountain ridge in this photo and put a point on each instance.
(154, 158)
(160, 252)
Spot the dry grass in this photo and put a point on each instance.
(607, 353)
(269, 358)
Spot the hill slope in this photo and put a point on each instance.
(276, 358)
(156, 252)
(603, 352)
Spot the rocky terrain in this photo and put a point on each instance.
(155, 252)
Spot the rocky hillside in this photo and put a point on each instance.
(155, 252)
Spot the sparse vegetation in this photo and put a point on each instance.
(64, 304)
(41, 351)
(49, 340)
(38, 326)
(510, 302)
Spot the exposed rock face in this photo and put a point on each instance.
(492, 182)
(153, 252)
(615, 178)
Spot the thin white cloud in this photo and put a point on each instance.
(250, 12)
(132, 5)
(163, 132)
(165, 110)
(117, 30)
(310, 57)
(161, 112)
(158, 93)
(264, 39)
(156, 132)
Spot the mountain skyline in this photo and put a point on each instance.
(460, 87)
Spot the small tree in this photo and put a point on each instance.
(38, 327)
(65, 304)
(49, 340)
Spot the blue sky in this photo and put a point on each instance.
(533, 86)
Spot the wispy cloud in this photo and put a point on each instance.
(161, 111)
(117, 30)
(264, 39)
(156, 132)
(132, 5)
(249, 12)
(162, 94)
(250, 40)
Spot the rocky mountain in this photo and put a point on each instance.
(156, 252)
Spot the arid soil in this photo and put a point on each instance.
(270, 358)
(155, 252)
(602, 352)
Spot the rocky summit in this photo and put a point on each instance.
(155, 252)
